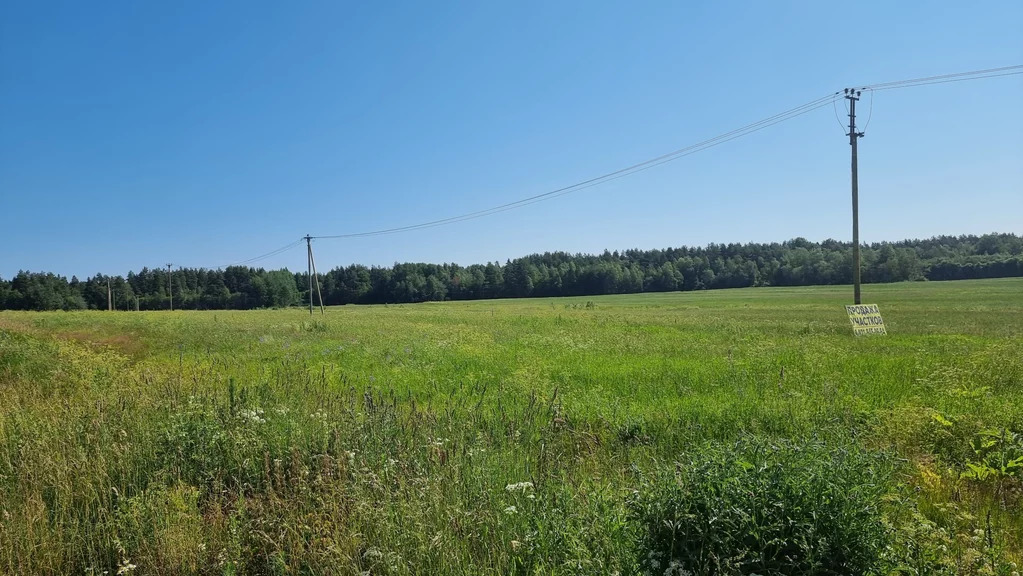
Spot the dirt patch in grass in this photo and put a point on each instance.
(129, 343)
(126, 343)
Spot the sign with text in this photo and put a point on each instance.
(865, 319)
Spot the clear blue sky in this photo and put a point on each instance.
(204, 133)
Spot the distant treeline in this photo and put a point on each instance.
(794, 263)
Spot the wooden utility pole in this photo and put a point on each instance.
(309, 267)
(312, 273)
(852, 95)
(319, 295)
(170, 287)
(110, 303)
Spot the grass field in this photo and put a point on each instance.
(726, 432)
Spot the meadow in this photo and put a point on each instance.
(737, 431)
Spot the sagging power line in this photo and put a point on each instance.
(692, 149)
(621, 173)
(746, 130)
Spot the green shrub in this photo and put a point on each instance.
(756, 507)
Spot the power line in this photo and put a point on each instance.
(627, 171)
(987, 73)
(946, 81)
(692, 149)
(280, 250)
(662, 159)
(870, 114)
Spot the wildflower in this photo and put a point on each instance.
(255, 415)
(519, 487)
(511, 510)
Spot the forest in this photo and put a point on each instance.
(797, 262)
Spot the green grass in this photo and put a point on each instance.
(382, 438)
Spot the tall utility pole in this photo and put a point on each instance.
(309, 267)
(312, 273)
(110, 303)
(852, 95)
(170, 287)
(319, 295)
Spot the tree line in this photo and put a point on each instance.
(797, 262)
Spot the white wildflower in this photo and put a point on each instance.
(511, 510)
(519, 487)
(255, 415)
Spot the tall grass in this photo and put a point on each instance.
(736, 432)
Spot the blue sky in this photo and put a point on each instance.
(135, 134)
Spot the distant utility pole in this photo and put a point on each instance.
(312, 273)
(852, 95)
(110, 303)
(170, 287)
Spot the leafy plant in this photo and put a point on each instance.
(999, 454)
(757, 507)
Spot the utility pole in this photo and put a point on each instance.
(170, 287)
(312, 273)
(110, 303)
(319, 295)
(309, 267)
(852, 95)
